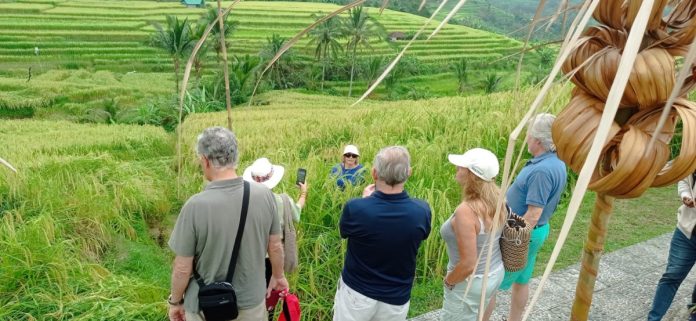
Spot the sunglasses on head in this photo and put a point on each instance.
(349, 155)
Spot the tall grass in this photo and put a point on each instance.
(310, 131)
(85, 199)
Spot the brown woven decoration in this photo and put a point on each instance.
(626, 168)
(514, 243)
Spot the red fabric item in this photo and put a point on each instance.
(272, 301)
(291, 308)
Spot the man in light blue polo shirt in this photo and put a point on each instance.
(534, 195)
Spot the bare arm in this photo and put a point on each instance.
(533, 214)
(276, 255)
(465, 225)
(303, 195)
(181, 273)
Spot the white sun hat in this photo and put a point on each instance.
(352, 149)
(482, 162)
(262, 171)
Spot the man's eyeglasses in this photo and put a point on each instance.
(349, 155)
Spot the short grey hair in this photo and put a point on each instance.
(540, 129)
(392, 164)
(219, 146)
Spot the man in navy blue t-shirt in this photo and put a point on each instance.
(384, 230)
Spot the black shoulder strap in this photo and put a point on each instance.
(240, 232)
(237, 241)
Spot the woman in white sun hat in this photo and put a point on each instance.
(466, 234)
(349, 170)
(264, 172)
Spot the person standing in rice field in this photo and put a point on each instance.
(534, 195)
(384, 230)
(264, 172)
(468, 232)
(206, 229)
(682, 254)
(349, 170)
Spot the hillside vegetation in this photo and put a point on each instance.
(83, 227)
(92, 61)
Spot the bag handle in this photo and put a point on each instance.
(237, 240)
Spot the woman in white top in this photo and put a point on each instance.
(467, 234)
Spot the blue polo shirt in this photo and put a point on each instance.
(540, 183)
(384, 232)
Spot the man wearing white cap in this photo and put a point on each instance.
(534, 195)
(349, 170)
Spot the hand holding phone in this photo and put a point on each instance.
(301, 176)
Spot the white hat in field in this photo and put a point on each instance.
(351, 149)
(482, 162)
(262, 171)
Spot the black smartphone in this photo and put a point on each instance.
(301, 176)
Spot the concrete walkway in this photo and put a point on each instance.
(623, 292)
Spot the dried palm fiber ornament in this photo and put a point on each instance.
(626, 167)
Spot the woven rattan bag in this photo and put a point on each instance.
(514, 242)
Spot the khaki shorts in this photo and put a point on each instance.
(257, 313)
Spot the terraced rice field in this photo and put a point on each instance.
(113, 35)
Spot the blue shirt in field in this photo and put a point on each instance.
(540, 183)
(384, 232)
(354, 176)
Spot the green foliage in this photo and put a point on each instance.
(490, 83)
(176, 39)
(461, 71)
(359, 28)
(325, 39)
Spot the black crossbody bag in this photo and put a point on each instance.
(218, 300)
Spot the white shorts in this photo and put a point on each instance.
(350, 305)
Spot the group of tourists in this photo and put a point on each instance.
(384, 230)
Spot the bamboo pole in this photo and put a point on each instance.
(223, 45)
(592, 252)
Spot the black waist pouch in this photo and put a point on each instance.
(218, 302)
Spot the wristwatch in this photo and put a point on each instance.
(169, 300)
(447, 285)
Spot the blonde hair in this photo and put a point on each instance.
(482, 197)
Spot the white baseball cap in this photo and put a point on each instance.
(482, 162)
(352, 149)
(262, 171)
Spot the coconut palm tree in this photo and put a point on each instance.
(175, 39)
(280, 71)
(461, 70)
(359, 27)
(325, 37)
(197, 33)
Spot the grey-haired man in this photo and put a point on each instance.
(206, 228)
(534, 195)
(384, 230)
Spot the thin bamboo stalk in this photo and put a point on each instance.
(592, 252)
(8, 165)
(537, 15)
(225, 67)
(184, 84)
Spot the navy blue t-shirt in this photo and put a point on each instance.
(384, 232)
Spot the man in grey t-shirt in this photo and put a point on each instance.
(206, 228)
